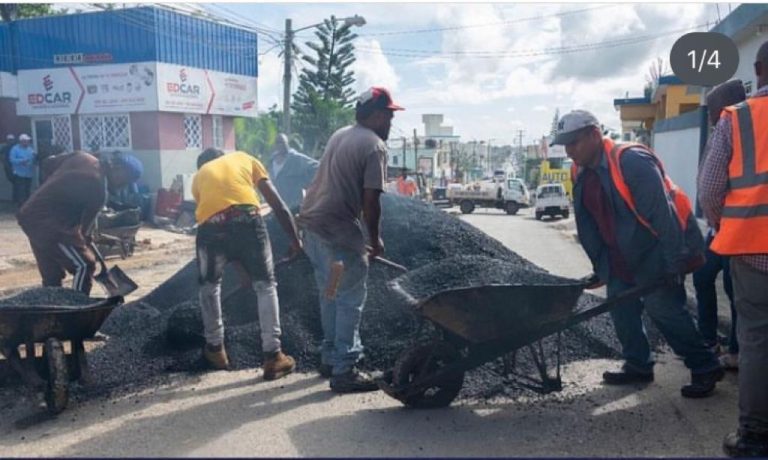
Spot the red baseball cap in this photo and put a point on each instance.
(378, 97)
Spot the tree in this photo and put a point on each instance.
(323, 100)
(656, 70)
(257, 135)
(555, 121)
(12, 11)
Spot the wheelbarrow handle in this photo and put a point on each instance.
(632, 293)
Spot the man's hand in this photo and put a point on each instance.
(376, 248)
(592, 281)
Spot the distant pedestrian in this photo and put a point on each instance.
(22, 158)
(704, 278)
(5, 157)
(732, 193)
(291, 172)
(231, 229)
(637, 228)
(344, 196)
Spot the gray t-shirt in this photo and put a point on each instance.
(354, 159)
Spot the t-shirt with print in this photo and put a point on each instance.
(355, 159)
(227, 181)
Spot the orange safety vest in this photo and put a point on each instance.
(613, 153)
(744, 221)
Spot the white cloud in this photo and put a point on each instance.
(540, 108)
(270, 81)
(372, 68)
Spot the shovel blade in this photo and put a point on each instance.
(116, 282)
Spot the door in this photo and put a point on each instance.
(42, 134)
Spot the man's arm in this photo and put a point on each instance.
(94, 196)
(281, 212)
(645, 182)
(372, 217)
(713, 176)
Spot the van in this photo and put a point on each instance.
(551, 200)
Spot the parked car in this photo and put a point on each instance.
(551, 200)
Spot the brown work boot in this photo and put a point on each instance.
(277, 364)
(216, 356)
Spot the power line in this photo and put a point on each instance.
(498, 23)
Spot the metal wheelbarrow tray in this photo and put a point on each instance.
(479, 324)
(51, 325)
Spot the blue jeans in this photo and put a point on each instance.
(666, 307)
(706, 298)
(341, 315)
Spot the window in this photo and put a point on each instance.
(193, 131)
(395, 160)
(218, 132)
(99, 132)
(62, 132)
(748, 88)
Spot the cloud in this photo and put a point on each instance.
(270, 81)
(372, 68)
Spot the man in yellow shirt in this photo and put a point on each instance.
(230, 229)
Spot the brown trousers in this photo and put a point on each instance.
(55, 259)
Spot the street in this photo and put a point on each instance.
(238, 414)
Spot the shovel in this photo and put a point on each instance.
(114, 280)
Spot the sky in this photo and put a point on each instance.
(490, 69)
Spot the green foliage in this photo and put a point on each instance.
(257, 135)
(323, 100)
(13, 11)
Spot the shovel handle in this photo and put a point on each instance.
(99, 257)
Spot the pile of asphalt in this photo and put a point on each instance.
(161, 333)
(47, 296)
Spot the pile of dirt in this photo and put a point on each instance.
(47, 296)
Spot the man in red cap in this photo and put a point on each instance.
(348, 183)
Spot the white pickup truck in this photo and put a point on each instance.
(511, 195)
(551, 200)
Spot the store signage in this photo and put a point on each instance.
(134, 87)
(81, 58)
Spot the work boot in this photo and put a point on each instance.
(277, 364)
(744, 443)
(702, 385)
(216, 356)
(325, 370)
(626, 376)
(353, 381)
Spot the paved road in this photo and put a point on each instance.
(238, 414)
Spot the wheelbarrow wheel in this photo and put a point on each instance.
(420, 362)
(57, 388)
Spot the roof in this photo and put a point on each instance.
(129, 35)
(631, 101)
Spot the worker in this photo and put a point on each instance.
(732, 191)
(291, 172)
(129, 196)
(22, 158)
(704, 278)
(59, 216)
(349, 182)
(637, 228)
(5, 156)
(405, 186)
(231, 229)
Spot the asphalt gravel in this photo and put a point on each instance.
(47, 296)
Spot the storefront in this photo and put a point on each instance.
(160, 84)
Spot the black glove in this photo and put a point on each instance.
(591, 281)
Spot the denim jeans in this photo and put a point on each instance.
(341, 315)
(706, 298)
(666, 307)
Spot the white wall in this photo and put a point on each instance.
(747, 53)
(679, 151)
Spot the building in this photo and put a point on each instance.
(430, 153)
(673, 119)
(155, 82)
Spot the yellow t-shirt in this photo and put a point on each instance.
(227, 181)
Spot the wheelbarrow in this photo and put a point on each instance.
(479, 324)
(51, 326)
(121, 238)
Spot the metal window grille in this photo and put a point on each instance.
(99, 132)
(218, 132)
(62, 132)
(193, 131)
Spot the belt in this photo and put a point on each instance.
(236, 213)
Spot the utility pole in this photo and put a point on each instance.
(522, 154)
(415, 150)
(405, 146)
(287, 79)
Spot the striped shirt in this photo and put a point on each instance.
(713, 180)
